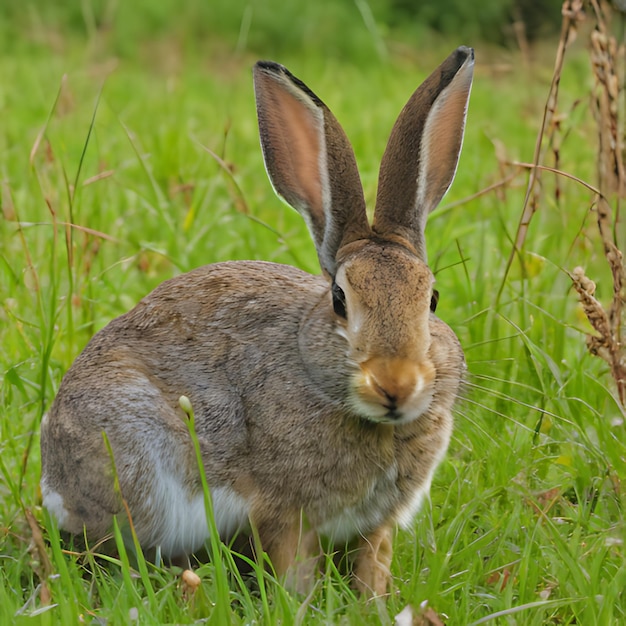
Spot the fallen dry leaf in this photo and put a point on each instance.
(424, 616)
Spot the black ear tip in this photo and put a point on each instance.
(463, 53)
(269, 67)
(463, 56)
(279, 73)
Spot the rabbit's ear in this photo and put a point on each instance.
(309, 161)
(423, 151)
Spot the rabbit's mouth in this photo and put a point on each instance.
(392, 390)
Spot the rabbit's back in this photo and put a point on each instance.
(267, 378)
(321, 403)
(272, 424)
(210, 335)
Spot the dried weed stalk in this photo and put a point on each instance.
(608, 324)
(608, 338)
(573, 14)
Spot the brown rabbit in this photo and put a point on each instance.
(323, 404)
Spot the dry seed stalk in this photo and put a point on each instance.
(608, 343)
(573, 14)
(608, 324)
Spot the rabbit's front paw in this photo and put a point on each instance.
(372, 566)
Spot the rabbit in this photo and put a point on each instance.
(323, 404)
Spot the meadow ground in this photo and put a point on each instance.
(109, 186)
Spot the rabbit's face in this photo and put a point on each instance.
(386, 293)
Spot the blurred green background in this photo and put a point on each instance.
(350, 29)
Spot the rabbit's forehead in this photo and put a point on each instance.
(383, 274)
(388, 294)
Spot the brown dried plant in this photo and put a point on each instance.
(608, 323)
(608, 337)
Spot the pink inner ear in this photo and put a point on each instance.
(440, 145)
(422, 153)
(303, 146)
(310, 161)
(294, 140)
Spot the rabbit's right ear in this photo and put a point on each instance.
(423, 151)
(309, 161)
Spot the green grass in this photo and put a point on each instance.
(526, 518)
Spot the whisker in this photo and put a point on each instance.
(498, 413)
(466, 417)
(544, 411)
(491, 341)
(505, 381)
(496, 393)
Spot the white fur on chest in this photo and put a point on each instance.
(380, 502)
(366, 515)
(406, 514)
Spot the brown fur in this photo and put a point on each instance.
(320, 425)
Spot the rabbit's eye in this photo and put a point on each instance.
(339, 300)
(433, 300)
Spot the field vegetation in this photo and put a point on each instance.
(129, 154)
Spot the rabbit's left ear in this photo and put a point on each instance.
(423, 151)
(309, 161)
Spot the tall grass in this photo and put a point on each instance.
(110, 185)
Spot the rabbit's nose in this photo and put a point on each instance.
(393, 383)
